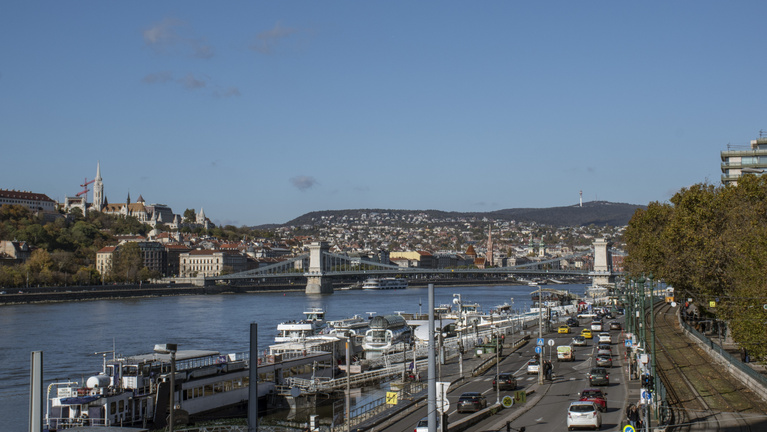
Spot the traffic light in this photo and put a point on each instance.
(647, 382)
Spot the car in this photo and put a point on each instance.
(471, 402)
(615, 325)
(598, 376)
(605, 338)
(596, 326)
(597, 396)
(586, 333)
(533, 366)
(604, 361)
(584, 414)
(423, 425)
(507, 382)
(563, 329)
(604, 349)
(572, 322)
(579, 341)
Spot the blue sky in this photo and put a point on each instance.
(262, 111)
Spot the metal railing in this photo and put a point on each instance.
(726, 356)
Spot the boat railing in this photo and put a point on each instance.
(199, 362)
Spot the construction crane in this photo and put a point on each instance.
(85, 186)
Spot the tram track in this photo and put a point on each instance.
(701, 393)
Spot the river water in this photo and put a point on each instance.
(70, 333)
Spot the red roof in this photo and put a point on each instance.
(4, 193)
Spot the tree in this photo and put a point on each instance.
(190, 216)
(126, 262)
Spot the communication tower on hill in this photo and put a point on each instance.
(581, 193)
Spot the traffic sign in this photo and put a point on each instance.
(629, 428)
(551, 342)
(507, 401)
(646, 395)
(627, 342)
(391, 398)
(540, 342)
(538, 350)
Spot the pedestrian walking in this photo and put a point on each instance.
(632, 414)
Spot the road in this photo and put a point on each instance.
(550, 412)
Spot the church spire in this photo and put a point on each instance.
(98, 189)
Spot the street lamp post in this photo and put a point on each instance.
(652, 335)
(170, 349)
(497, 370)
(540, 335)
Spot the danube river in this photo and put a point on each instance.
(70, 333)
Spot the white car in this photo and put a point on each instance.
(423, 425)
(532, 366)
(583, 414)
(605, 338)
(596, 326)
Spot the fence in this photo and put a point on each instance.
(727, 357)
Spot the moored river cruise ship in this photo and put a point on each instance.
(385, 283)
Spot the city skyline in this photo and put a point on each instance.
(262, 112)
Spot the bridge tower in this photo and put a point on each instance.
(315, 283)
(603, 260)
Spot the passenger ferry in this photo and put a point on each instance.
(135, 391)
(313, 324)
(385, 332)
(385, 283)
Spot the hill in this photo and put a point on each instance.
(593, 212)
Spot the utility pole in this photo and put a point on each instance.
(540, 334)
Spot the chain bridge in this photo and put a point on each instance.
(319, 266)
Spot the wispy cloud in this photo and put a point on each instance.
(159, 77)
(173, 34)
(266, 41)
(227, 92)
(188, 81)
(303, 183)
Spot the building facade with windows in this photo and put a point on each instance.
(31, 200)
(206, 262)
(739, 160)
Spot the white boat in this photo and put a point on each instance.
(386, 332)
(313, 324)
(385, 283)
(135, 390)
(349, 326)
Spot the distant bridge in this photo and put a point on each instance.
(319, 266)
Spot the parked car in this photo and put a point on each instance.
(572, 322)
(604, 361)
(579, 341)
(507, 382)
(563, 329)
(595, 395)
(605, 337)
(423, 425)
(532, 366)
(471, 402)
(615, 325)
(586, 333)
(596, 326)
(583, 414)
(598, 376)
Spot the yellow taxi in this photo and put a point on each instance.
(586, 333)
(563, 329)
